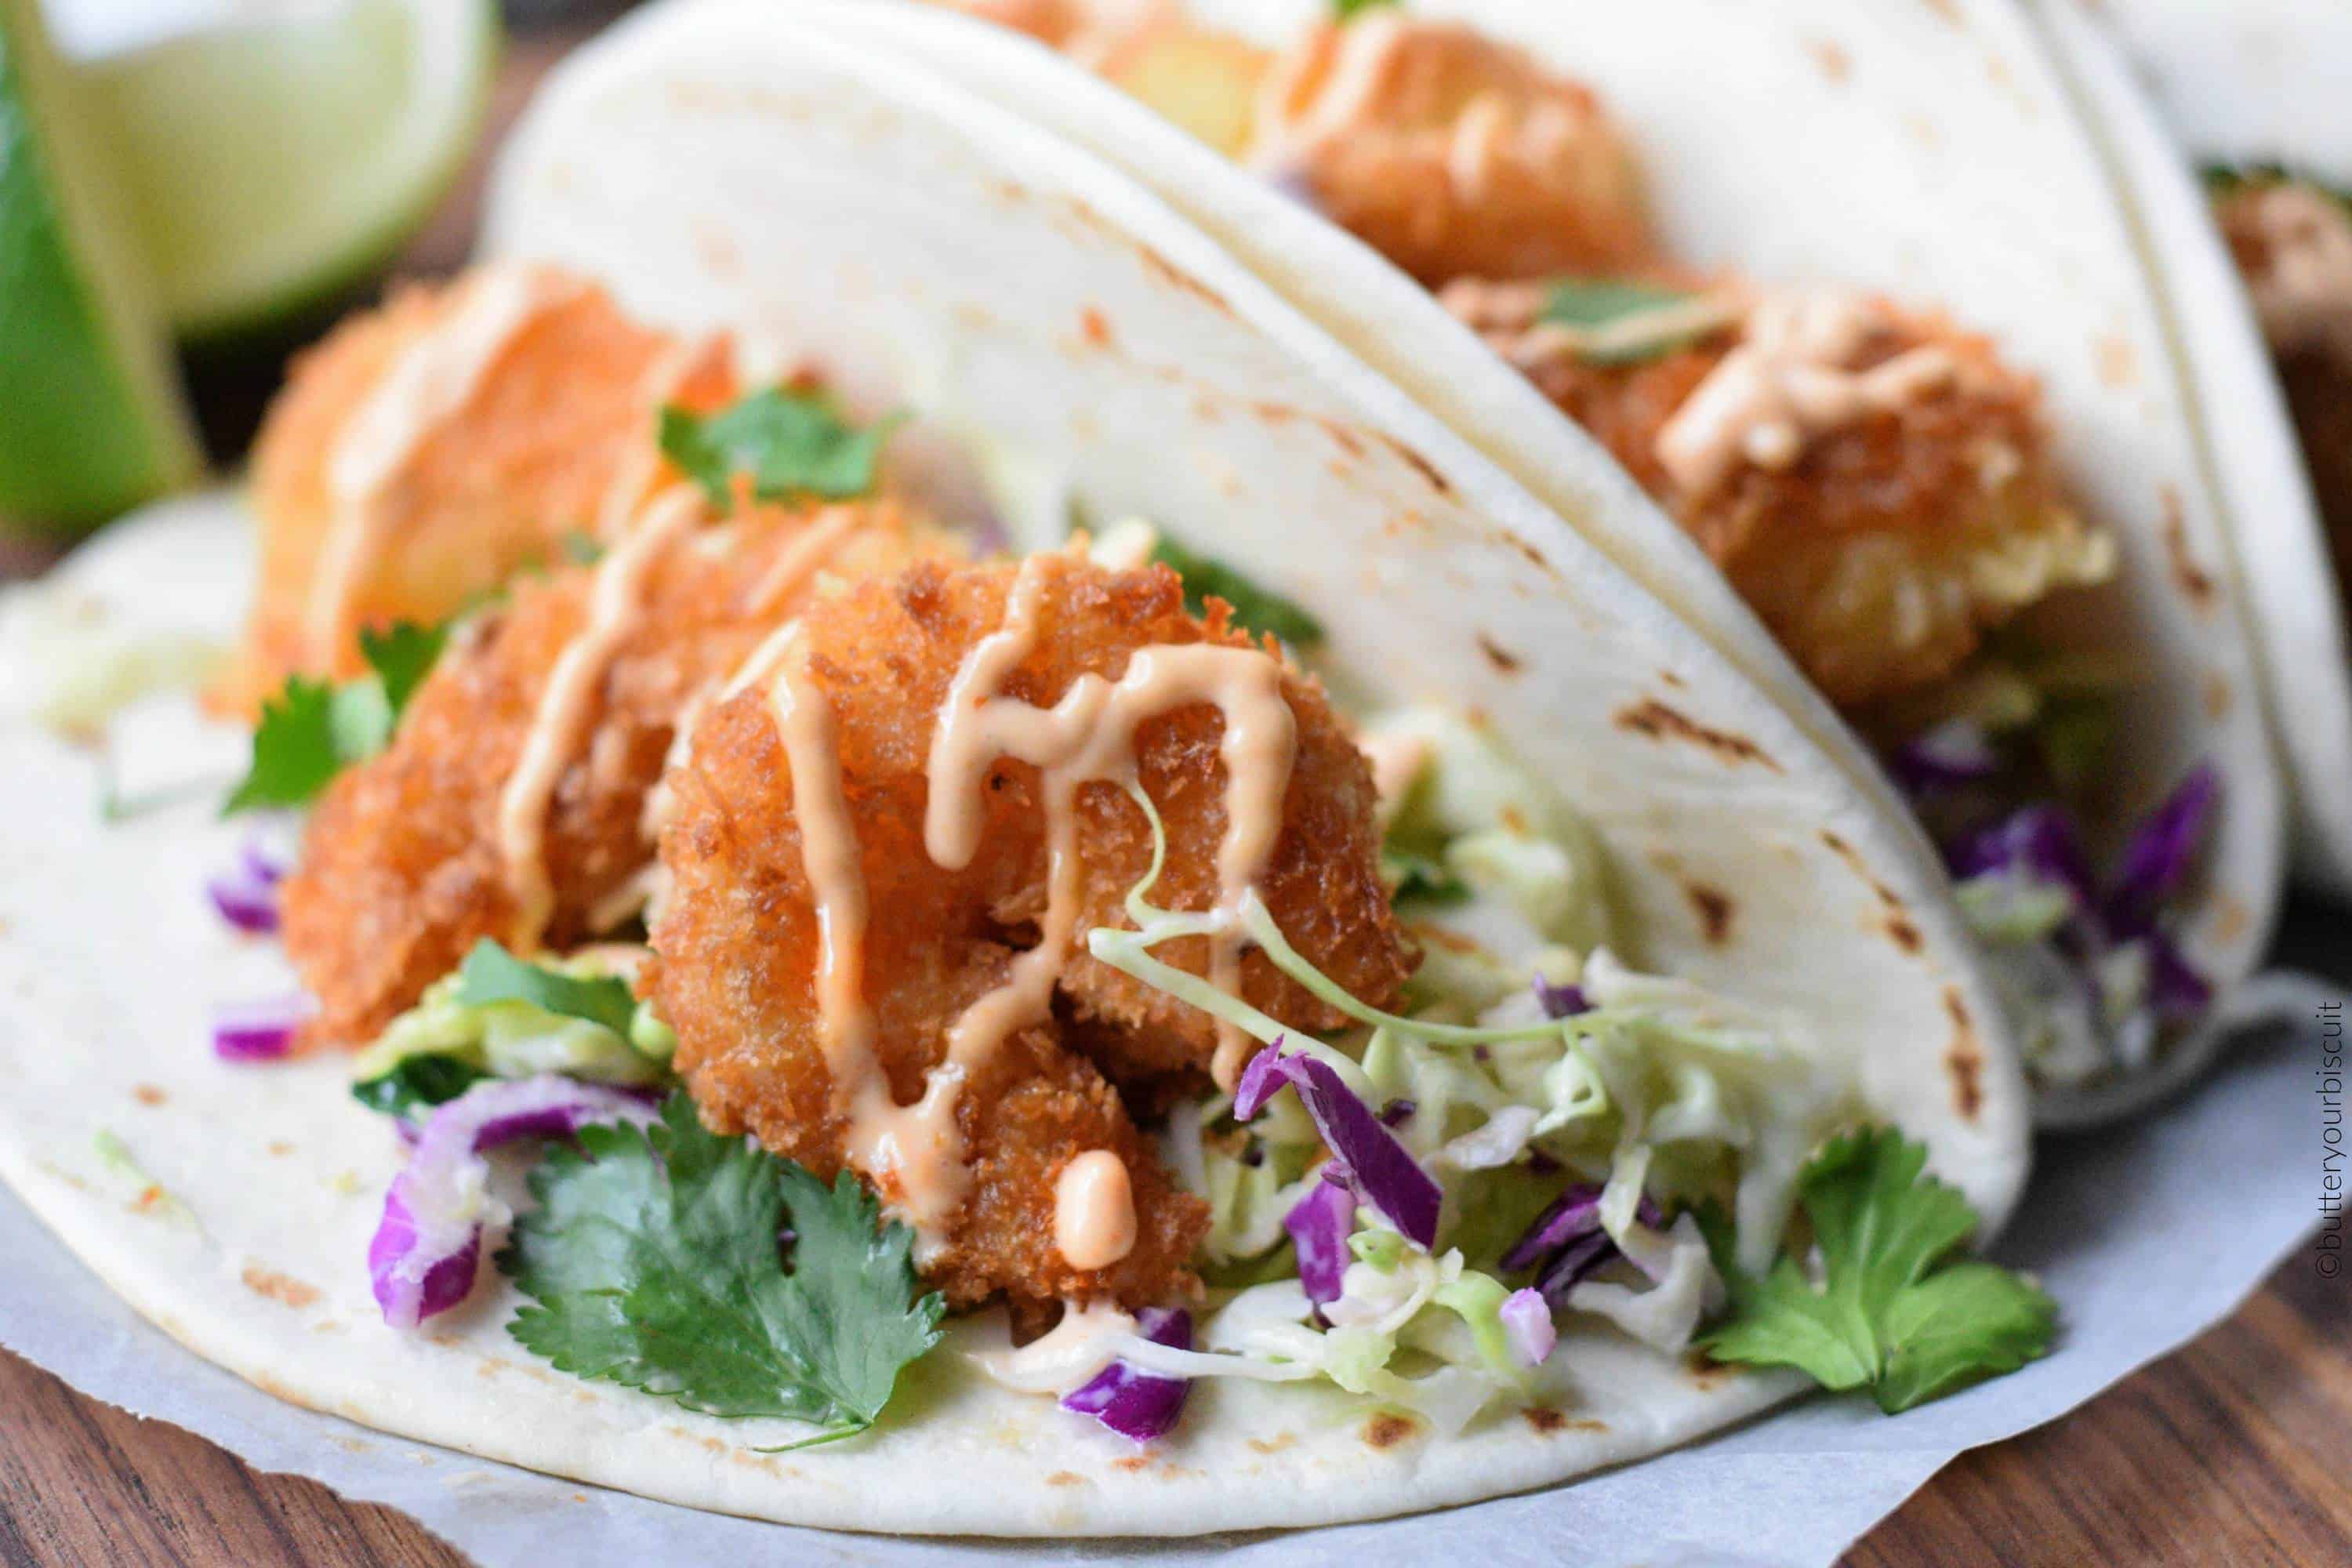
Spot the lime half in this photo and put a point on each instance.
(270, 164)
(91, 420)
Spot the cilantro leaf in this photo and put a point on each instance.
(310, 731)
(491, 975)
(295, 748)
(1413, 875)
(1885, 1315)
(402, 655)
(417, 1084)
(791, 443)
(1256, 609)
(654, 1261)
(1590, 304)
(1348, 10)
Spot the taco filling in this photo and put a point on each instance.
(2291, 238)
(1057, 941)
(1873, 478)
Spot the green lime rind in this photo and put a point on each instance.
(93, 421)
(274, 168)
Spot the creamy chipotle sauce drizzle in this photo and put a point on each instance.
(616, 603)
(1094, 1210)
(1790, 383)
(429, 384)
(914, 1153)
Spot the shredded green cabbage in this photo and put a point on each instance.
(1662, 1088)
(516, 1039)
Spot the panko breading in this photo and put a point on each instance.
(556, 422)
(739, 937)
(402, 870)
(1450, 154)
(1878, 548)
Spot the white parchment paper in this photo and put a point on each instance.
(2146, 1234)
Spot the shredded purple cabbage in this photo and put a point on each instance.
(1527, 1327)
(1565, 1243)
(423, 1256)
(2041, 842)
(1575, 1213)
(2038, 841)
(2160, 853)
(1366, 1154)
(246, 895)
(260, 1031)
(1138, 1405)
(1561, 1001)
(1318, 1224)
(1948, 757)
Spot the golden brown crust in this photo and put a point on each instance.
(532, 458)
(738, 943)
(1884, 554)
(1466, 158)
(401, 872)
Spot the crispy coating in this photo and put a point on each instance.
(1450, 153)
(544, 438)
(1885, 550)
(738, 943)
(401, 871)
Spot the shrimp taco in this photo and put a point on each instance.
(2249, 90)
(933, 839)
(1845, 292)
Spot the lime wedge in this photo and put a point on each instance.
(91, 420)
(271, 165)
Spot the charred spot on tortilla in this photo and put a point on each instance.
(1387, 1428)
(147, 1094)
(1965, 1059)
(1504, 661)
(1066, 1479)
(1904, 934)
(1714, 909)
(1831, 58)
(1659, 721)
(282, 1288)
(2196, 584)
(1430, 473)
(1095, 327)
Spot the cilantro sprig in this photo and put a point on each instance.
(1890, 1313)
(492, 974)
(415, 1085)
(654, 1261)
(1256, 609)
(311, 730)
(791, 443)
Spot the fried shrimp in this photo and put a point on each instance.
(413, 857)
(428, 449)
(1875, 482)
(887, 861)
(1450, 154)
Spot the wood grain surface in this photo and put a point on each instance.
(2234, 1453)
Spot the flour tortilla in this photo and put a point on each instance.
(2243, 84)
(730, 166)
(1930, 151)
